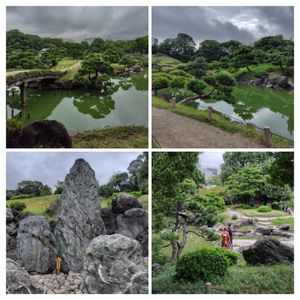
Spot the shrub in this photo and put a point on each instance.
(234, 217)
(177, 82)
(276, 205)
(135, 194)
(20, 206)
(204, 264)
(245, 206)
(157, 256)
(21, 196)
(264, 208)
(230, 255)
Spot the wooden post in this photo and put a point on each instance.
(173, 101)
(208, 288)
(23, 94)
(28, 115)
(210, 110)
(12, 113)
(266, 136)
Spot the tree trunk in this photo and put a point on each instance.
(248, 69)
(281, 66)
(184, 239)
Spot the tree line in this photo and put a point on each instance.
(28, 51)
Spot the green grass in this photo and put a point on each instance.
(69, 75)
(114, 137)
(167, 63)
(220, 122)
(65, 63)
(281, 221)
(240, 279)
(253, 212)
(36, 205)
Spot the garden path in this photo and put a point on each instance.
(171, 130)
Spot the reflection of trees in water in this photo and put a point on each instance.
(140, 81)
(246, 112)
(125, 83)
(97, 106)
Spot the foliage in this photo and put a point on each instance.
(197, 86)
(59, 187)
(168, 170)
(232, 256)
(282, 221)
(203, 264)
(34, 188)
(20, 206)
(197, 67)
(244, 57)
(157, 256)
(264, 208)
(246, 184)
(21, 196)
(160, 81)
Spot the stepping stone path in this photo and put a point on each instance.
(71, 283)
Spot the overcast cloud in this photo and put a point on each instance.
(245, 24)
(79, 22)
(211, 160)
(49, 167)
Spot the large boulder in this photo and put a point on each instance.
(114, 264)
(282, 82)
(36, 245)
(79, 218)
(18, 280)
(264, 230)
(45, 134)
(268, 250)
(13, 218)
(124, 202)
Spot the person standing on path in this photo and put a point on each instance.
(229, 229)
(225, 239)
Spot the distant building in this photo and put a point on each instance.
(154, 41)
(209, 172)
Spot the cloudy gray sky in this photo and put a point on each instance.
(49, 167)
(211, 159)
(79, 22)
(245, 24)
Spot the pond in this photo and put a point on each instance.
(125, 103)
(259, 106)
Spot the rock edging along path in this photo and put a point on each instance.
(171, 130)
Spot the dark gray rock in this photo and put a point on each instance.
(264, 230)
(124, 202)
(268, 250)
(114, 264)
(79, 219)
(282, 82)
(45, 134)
(109, 219)
(9, 215)
(284, 227)
(36, 245)
(18, 280)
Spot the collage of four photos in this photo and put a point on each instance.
(141, 158)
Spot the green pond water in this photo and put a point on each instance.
(259, 106)
(125, 103)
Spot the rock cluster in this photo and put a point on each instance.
(79, 217)
(268, 250)
(36, 250)
(281, 82)
(114, 264)
(127, 217)
(71, 283)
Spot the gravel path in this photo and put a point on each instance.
(171, 130)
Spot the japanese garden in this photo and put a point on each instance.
(198, 198)
(88, 92)
(237, 87)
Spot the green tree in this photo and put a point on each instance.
(246, 185)
(197, 67)
(244, 57)
(234, 161)
(34, 188)
(97, 46)
(211, 50)
(59, 187)
(168, 170)
(140, 45)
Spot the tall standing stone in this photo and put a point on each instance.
(79, 219)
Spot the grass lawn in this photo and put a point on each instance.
(114, 137)
(254, 213)
(219, 121)
(281, 221)
(240, 279)
(167, 63)
(69, 75)
(36, 205)
(65, 63)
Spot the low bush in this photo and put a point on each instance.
(276, 205)
(204, 264)
(234, 217)
(20, 206)
(264, 209)
(244, 206)
(232, 256)
(21, 196)
(157, 256)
